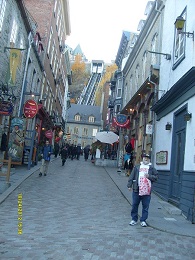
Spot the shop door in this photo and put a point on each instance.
(177, 156)
(178, 160)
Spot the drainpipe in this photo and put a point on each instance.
(153, 123)
(30, 41)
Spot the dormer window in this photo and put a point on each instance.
(77, 118)
(91, 119)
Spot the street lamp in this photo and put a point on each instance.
(179, 25)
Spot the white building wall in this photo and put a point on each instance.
(168, 77)
(172, 10)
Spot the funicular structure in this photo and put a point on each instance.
(88, 94)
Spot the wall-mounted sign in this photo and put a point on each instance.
(30, 108)
(6, 108)
(149, 129)
(161, 157)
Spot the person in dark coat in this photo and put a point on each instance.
(78, 152)
(46, 157)
(64, 154)
(86, 152)
(3, 142)
(56, 149)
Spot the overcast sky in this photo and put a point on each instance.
(97, 25)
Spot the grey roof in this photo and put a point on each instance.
(122, 47)
(84, 111)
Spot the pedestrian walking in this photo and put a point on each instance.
(78, 151)
(64, 154)
(141, 179)
(86, 152)
(56, 149)
(127, 159)
(46, 156)
(128, 163)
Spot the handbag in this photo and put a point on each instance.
(144, 186)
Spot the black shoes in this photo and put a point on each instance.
(40, 174)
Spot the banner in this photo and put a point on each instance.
(14, 62)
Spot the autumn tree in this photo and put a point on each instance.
(80, 77)
(106, 78)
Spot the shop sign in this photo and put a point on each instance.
(149, 129)
(49, 134)
(30, 108)
(16, 140)
(6, 108)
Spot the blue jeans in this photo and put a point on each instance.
(145, 206)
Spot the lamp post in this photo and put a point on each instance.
(30, 41)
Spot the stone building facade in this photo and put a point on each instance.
(83, 122)
(38, 30)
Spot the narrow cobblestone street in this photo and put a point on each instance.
(77, 212)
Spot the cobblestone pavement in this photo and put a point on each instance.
(77, 212)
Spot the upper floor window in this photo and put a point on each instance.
(2, 12)
(153, 48)
(49, 42)
(118, 108)
(91, 119)
(126, 93)
(179, 44)
(76, 130)
(131, 88)
(119, 93)
(77, 118)
(85, 131)
(144, 63)
(94, 132)
(137, 77)
(55, 6)
(13, 32)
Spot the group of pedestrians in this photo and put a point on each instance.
(64, 150)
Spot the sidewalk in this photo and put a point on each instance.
(162, 215)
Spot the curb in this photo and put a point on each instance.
(13, 187)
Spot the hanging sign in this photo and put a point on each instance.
(121, 121)
(30, 108)
(6, 108)
(49, 134)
